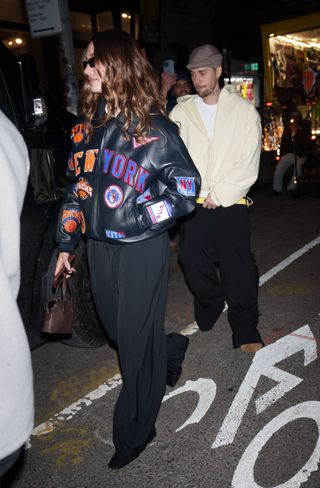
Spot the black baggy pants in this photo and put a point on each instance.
(218, 264)
(129, 284)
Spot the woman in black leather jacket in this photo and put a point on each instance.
(133, 177)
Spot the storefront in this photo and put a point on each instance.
(291, 51)
(248, 86)
(85, 18)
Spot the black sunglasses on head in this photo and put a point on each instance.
(89, 62)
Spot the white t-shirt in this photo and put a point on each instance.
(208, 115)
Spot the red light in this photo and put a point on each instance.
(313, 138)
(278, 158)
(268, 104)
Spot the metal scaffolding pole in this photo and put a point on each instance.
(68, 60)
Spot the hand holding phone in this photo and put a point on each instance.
(168, 66)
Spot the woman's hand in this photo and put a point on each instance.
(63, 264)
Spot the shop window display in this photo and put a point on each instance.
(292, 75)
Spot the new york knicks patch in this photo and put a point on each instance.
(186, 185)
(113, 234)
(78, 133)
(83, 189)
(71, 218)
(160, 211)
(113, 196)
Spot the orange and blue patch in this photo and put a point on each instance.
(71, 218)
(83, 189)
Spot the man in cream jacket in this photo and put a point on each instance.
(16, 385)
(222, 132)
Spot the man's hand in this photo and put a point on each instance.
(209, 203)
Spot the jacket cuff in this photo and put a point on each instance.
(66, 247)
(157, 213)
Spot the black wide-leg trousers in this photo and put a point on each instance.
(129, 284)
(216, 257)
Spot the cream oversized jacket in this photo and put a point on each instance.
(16, 382)
(229, 161)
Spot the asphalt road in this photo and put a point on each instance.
(234, 419)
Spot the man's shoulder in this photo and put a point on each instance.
(184, 103)
(185, 100)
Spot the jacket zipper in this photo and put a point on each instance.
(98, 167)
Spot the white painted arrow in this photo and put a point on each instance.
(264, 364)
(206, 389)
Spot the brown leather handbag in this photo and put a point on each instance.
(59, 314)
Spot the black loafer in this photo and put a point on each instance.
(117, 462)
(173, 374)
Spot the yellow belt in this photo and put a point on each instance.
(242, 201)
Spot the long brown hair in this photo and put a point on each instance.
(129, 82)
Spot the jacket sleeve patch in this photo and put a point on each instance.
(113, 234)
(71, 218)
(143, 141)
(186, 185)
(83, 189)
(160, 211)
(78, 133)
(113, 196)
(145, 197)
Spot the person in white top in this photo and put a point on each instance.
(222, 132)
(16, 381)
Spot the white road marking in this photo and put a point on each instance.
(206, 389)
(69, 412)
(244, 473)
(283, 264)
(263, 364)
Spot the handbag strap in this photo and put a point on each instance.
(63, 290)
(66, 291)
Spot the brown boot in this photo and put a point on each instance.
(251, 347)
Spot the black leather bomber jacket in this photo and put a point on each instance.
(126, 190)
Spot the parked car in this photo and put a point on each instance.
(45, 126)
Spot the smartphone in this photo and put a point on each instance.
(168, 66)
